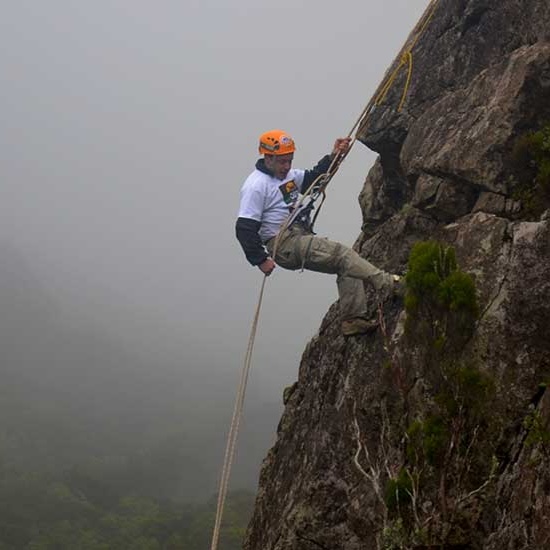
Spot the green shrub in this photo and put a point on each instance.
(428, 440)
(467, 391)
(398, 490)
(457, 293)
(531, 165)
(394, 536)
(430, 263)
(436, 437)
(441, 300)
(539, 434)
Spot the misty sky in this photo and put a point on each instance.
(127, 129)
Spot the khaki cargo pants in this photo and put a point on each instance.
(299, 249)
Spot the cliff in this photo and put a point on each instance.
(435, 430)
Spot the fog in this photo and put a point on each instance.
(127, 129)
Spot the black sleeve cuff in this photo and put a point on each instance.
(246, 230)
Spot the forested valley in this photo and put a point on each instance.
(102, 447)
(83, 511)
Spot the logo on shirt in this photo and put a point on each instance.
(289, 191)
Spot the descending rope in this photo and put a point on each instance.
(316, 189)
(234, 429)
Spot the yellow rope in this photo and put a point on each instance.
(409, 58)
(405, 57)
(402, 58)
(390, 81)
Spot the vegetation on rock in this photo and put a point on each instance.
(440, 475)
(531, 161)
(441, 301)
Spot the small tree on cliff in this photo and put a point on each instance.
(440, 461)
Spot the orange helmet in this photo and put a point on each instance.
(276, 142)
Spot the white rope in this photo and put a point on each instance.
(234, 429)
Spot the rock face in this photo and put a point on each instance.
(361, 461)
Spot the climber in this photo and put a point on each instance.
(267, 198)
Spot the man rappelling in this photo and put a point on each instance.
(268, 197)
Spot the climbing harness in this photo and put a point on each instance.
(304, 207)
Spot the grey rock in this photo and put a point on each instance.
(445, 172)
(493, 203)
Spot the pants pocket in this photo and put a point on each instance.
(323, 255)
(286, 255)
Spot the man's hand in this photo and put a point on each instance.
(267, 266)
(341, 146)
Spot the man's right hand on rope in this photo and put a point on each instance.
(341, 146)
(267, 266)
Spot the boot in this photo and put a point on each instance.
(399, 286)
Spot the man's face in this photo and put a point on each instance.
(279, 165)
